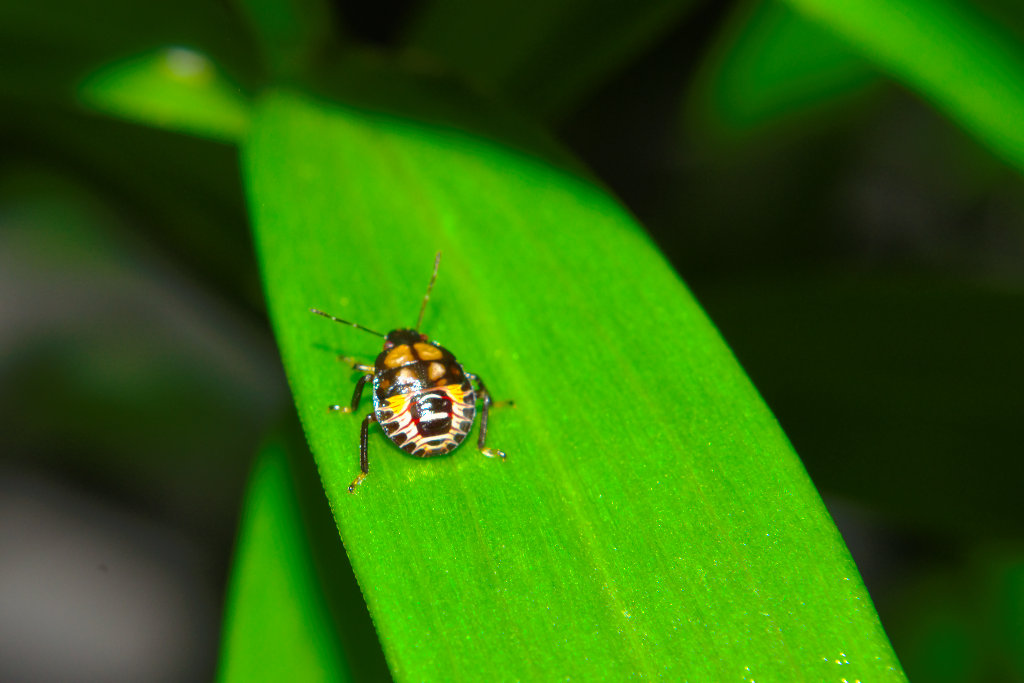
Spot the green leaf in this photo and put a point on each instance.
(545, 56)
(651, 518)
(961, 619)
(46, 48)
(173, 88)
(771, 63)
(946, 51)
(276, 625)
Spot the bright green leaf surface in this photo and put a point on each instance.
(948, 52)
(651, 518)
(276, 627)
(545, 56)
(173, 88)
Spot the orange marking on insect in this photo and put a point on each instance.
(435, 371)
(456, 393)
(398, 404)
(427, 352)
(398, 356)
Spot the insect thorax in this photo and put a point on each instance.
(409, 362)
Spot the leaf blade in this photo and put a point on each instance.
(769, 64)
(173, 88)
(275, 624)
(637, 526)
(946, 51)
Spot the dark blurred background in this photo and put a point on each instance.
(861, 254)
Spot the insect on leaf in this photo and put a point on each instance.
(651, 518)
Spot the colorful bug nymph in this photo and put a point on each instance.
(422, 397)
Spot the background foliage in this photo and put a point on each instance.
(837, 182)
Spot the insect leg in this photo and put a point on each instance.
(364, 463)
(352, 363)
(356, 395)
(485, 396)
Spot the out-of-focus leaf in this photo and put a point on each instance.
(959, 619)
(651, 518)
(544, 56)
(771, 63)
(937, 632)
(948, 52)
(276, 624)
(1009, 581)
(46, 48)
(172, 88)
(363, 654)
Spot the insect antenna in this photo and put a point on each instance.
(344, 322)
(430, 288)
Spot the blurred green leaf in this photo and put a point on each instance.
(771, 63)
(1009, 582)
(171, 88)
(276, 625)
(958, 618)
(543, 56)
(941, 644)
(46, 48)
(651, 518)
(947, 51)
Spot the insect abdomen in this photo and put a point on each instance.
(432, 413)
(424, 421)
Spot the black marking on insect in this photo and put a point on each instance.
(423, 399)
